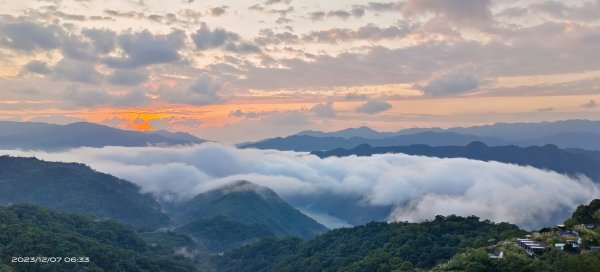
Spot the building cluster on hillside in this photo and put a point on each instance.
(563, 231)
(590, 226)
(576, 243)
(533, 247)
(568, 232)
(496, 255)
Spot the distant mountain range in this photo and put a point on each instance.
(582, 134)
(565, 161)
(26, 135)
(311, 143)
(506, 131)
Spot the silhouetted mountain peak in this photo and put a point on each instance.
(359, 129)
(244, 186)
(551, 147)
(477, 145)
(363, 147)
(362, 132)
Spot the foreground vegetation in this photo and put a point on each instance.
(29, 231)
(376, 246)
(450, 243)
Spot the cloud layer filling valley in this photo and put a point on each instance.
(416, 188)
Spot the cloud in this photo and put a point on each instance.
(283, 20)
(286, 118)
(545, 109)
(356, 12)
(267, 36)
(317, 15)
(218, 11)
(590, 104)
(257, 125)
(57, 119)
(368, 32)
(415, 188)
(244, 114)
(103, 40)
(37, 67)
(76, 71)
(374, 106)
(520, 52)
(342, 14)
(387, 6)
(465, 12)
(556, 38)
(128, 77)
(281, 12)
(513, 12)
(28, 36)
(355, 96)
(453, 82)
(144, 48)
(242, 47)
(66, 16)
(204, 38)
(93, 97)
(174, 123)
(324, 110)
(273, 2)
(184, 122)
(587, 11)
(74, 47)
(204, 90)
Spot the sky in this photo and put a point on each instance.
(235, 71)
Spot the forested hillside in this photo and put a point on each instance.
(377, 246)
(76, 188)
(29, 231)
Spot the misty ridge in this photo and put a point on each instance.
(349, 190)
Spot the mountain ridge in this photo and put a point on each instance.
(502, 130)
(307, 143)
(76, 188)
(24, 135)
(582, 134)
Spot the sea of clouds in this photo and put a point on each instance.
(414, 188)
